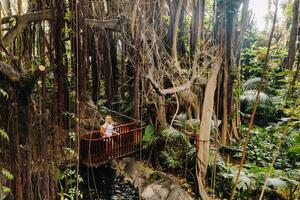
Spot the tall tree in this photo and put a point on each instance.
(60, 71)
(293, 36)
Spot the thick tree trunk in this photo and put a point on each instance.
(205, 126)
(181, 33)
(59, 72)
(194, 27)
(175, 31)
(161, 112)
(94, 66)
(293, 36)
(240, 41)
(197, 24)
(136, 94)
(225, 34)
(16, 165)
(108, 69)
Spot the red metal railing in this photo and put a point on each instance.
(96, 150)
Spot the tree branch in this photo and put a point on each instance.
(20, 78)
(21, 23)
(9, 72)
(113, 24)
(175, 89)
(164, 92)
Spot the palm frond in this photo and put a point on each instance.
(276, 182)
(250, 95)
(170, 159)
(181, 120)
(173, 134)
(251, 84)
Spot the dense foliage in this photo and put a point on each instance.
(219, 98)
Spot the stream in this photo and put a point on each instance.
(102, 183)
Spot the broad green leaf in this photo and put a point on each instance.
(149, 136)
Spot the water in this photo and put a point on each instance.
(105, 185)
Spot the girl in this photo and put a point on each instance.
(107, 127)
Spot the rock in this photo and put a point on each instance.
(90, 123)
(90, 118)
(132, 171)
(151, 184)
(88, 109)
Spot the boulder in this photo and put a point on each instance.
(90, 123)
(90, 118)
(151, 184)
(132, 171)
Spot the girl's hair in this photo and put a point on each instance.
(108, 117)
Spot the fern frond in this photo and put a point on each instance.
(7, 174)
(250, 95)
(170, 159)
(180, 120)
(3, 134)
(3, 94)
(173, 134)
(251, 84)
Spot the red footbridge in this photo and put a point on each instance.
(96, 150)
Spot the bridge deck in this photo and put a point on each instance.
(96, 150)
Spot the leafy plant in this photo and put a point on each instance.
(7, 175)
(295, 149)
(149, 137)
(3, 94)
(248, 96)
(178, 151)
(3, 134)
(67, 184)
(101, 106)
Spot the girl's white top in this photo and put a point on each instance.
(108, 129)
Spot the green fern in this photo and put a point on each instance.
(171, 160)
(3, 94)
(276, 182)
(7, 174)
(173, 134)
(250, 96)
(249, 92)
(5, 189)
(295, 149)
(149, 137)
(3, 134)
(251, 84)
(181, 120)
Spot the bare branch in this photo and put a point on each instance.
(113, 24)
(21, 22)
(175, 89)
(9, 72)
(172, 90)
(15, 77)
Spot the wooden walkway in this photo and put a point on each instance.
(96, 150)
